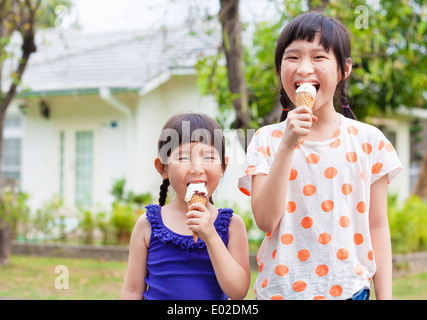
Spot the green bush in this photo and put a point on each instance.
(14, 211)
(123, 219)
(408, 225)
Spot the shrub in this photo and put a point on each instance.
(408, 225)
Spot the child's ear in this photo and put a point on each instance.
(348, 67)
(160, 167)
(226, 163)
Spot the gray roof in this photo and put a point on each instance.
(72, 60)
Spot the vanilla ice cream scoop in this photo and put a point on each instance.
(306, 87)
(196, 188)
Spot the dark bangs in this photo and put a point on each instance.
(333, 35)
(190, 127)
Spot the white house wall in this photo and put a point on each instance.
(41, 148)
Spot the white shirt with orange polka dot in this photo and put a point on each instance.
(321, 248)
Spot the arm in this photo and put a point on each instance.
(269, 191)
(231, 263)
(380, 237)
(134, 285)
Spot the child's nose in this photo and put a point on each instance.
(305, 67)
(197, 167)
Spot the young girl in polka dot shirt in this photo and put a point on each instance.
(318, 179)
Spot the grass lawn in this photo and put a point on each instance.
(30, 277)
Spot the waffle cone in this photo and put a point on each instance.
(305, 99)
(196, 199)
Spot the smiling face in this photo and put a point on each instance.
(193, 163)
(305, 61)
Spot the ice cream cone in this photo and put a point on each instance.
(305, 99)
(305, 95)
(196, 199)
(196, 193)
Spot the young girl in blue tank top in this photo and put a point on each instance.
(164, 261)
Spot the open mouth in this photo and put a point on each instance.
(313, 83)
(196, 182)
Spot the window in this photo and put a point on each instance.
(84, 169)
(11, 160)
(61, 163)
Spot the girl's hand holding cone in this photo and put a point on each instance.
(200, 221)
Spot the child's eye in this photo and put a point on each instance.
(184, 158)
(291, 58)
(320, 57)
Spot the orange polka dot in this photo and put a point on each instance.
(250, 170)
(330, 173)
(307, 222)
(346, 188)
(324, 238)
(351, 156)
(281, 270)
(358, 239)
(337, 133)
(336, 143)
(258, 132)
(319, 298)
(352, 130)
(277, 134)
(293, 175)
(327, 205)
(291, 207)
(287, 238)
(322, 270)
(309, 190)
(344, 221)
(361, 207)
(359, 270)
(264, 151)
(342, 254)
(264, 283)
(371, 255)
(367, 148)
(261, 266)
(303, 254)
(335, 291)
(299, 286)
(313, 158)
(389, 147)
(277, 297)
(245, 191)
(376, 168)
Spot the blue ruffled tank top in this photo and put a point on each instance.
(178, 268)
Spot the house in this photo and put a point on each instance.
(91, 108)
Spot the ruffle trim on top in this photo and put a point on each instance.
(166, 235)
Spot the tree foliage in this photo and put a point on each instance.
(388, 40)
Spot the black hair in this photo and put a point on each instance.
(333, 35)
(185, 128)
